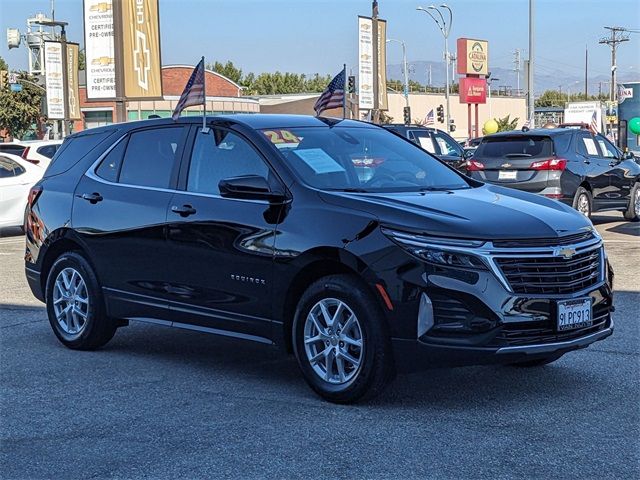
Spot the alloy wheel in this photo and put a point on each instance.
(583, 204)
(333, 341)
(636, 203)
(71, 301)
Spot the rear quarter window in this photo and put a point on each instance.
(561, 143)
(513, 147)
(75, 149)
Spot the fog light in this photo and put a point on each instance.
(425, 315)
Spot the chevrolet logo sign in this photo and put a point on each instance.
(565, 252)
(505, 165)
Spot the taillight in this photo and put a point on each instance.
(474, 165)
(34, 194)
(549, 164)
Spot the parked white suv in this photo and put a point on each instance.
(17, 176)
(40, 152)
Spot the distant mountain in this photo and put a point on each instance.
(419, 72)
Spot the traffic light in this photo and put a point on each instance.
(440, 111)
(452, 125)
(407, 115)
(351, 84)
(4, 79)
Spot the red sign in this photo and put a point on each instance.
(473, 90)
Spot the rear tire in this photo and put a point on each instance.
(583, 202)
(350, 358)
(75, 305)
(633, 210)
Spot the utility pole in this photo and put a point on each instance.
(375, 115)
(586, 67)
(430, 75)
(531, 63)
(616, 36)
(516, 63)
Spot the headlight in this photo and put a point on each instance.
(449, 252)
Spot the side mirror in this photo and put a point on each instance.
(468, 154)
(249, 187)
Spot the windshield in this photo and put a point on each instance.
(361, 159)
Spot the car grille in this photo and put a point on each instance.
(545, 242)
(552, 275)
(529, 333)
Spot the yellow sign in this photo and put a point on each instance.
(73, 98)
(141, 49)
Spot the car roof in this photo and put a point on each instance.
(30, 143)
(256, 121)
(536, 132)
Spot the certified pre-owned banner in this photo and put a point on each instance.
(55, 90)
(141, 49)
(73, 100)
(99, 49)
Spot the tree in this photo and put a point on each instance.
(81, 60)
(19, 110)
(505, 124)
(228, 69)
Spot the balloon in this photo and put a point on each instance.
(490, 126)
(634, 125)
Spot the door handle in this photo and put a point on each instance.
(184, 210)
(587, 161)
(92, 197)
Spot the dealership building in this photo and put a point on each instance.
(223, 96)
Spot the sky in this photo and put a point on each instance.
(308, 36)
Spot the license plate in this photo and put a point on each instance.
(507, 175)
(574, 314)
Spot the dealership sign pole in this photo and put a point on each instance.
(122, 39)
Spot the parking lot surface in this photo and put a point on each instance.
(166, 403)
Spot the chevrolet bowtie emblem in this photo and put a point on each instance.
(141, 60)
(565, 252)
(506, 165)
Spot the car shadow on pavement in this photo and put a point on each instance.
(620, 225)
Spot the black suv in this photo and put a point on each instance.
(572, 165)
(434, 141)
(350, 246)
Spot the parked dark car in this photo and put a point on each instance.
(350, 246)
(572, 165)
(434, 141)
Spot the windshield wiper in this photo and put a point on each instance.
(515, 155)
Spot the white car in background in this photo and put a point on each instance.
(40, 152)
(17, 176)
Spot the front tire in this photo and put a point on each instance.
(340, 340)
(583, 202)
(633, 210)
(75, 305)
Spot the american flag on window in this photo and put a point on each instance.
(333, 95)
(593, 126)
(429, 119)
(193, 93)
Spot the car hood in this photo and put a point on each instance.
(486, 213)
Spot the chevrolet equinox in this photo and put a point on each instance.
(351, 247)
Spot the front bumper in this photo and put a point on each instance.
(412, 355)
(474, 317)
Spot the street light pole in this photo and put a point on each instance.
(404, 67)
(445, 28)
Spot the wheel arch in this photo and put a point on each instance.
(63, 242)
(316, 264)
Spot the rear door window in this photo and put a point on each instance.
(10, 168)
(515, 147)
(586, 145)
(74, 149)
(151, 157)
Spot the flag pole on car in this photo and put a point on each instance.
(194, 93)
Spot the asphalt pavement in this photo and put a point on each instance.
(165, 403)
